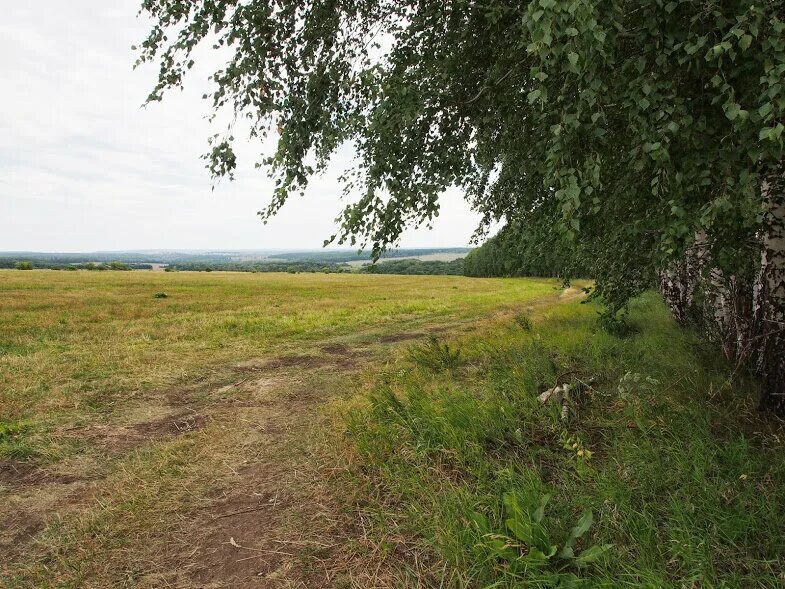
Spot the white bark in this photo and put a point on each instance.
(769, 296)
(748, 320)
(680, 283)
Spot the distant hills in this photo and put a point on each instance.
(260, 260)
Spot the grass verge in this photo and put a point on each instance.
(653, 471)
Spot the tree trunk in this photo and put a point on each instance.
(729, 300)
(680, 282)
(769, 296)
(747, 320)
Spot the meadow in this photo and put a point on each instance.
(349, 430)
(108, 380)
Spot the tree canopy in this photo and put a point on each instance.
(624, 125)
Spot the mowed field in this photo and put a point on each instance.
(178, 441)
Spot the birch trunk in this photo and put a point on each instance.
(680, 282)
(769, 296)
(730, 321)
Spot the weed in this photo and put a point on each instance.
(615, 323)
(529, 551)
(435, 355)
(14, 441)
(524, 321)
(664, 449)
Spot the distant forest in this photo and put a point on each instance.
(512, 252)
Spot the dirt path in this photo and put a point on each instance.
(274, 522)
(268, 516)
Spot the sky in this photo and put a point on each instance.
(83, 167)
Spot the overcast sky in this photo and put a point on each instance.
(83, 167)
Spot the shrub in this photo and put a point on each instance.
(25, 265)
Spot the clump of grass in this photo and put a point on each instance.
(524, 321)
(14, 440)
(160, 295)
(683, 478)
(435, 355)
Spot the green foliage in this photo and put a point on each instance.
(529, 550)
(622, 126)
(524, 321)
(293, 267)
(415, 267)
(341, 256)
(520, 250)
(24, 265)
(13, 440)
(675, 485)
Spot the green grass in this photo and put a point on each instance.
(685, 481)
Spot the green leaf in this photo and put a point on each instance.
(567, 552)
(745, 42)
(534, 95)
(583, 525)
(572, 57)
(592, 554)
(732, 110)
(480, 521)
(539, 513)
(535, 558)
(771, 133)
(569, 581)
(579, 530)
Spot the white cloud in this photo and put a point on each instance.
(83, 167)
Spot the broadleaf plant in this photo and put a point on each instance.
(528, 547)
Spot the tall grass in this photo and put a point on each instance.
(685, 483)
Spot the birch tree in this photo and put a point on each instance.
(629, 127)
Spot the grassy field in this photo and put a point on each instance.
(265, 430)
(72, 344)
(123, 411)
